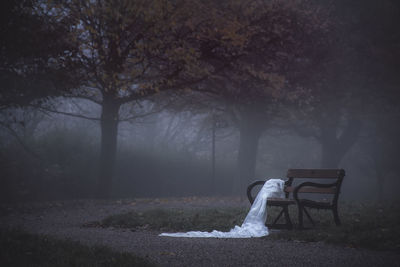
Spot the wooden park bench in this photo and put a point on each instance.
(307, 184)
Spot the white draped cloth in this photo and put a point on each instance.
(254, 223)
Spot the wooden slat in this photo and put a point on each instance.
(315, 173)
(280, 201)
(311, 189)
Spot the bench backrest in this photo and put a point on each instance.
(332, 186)
(336, 174)
(315, 173)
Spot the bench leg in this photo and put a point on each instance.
(287, 217)
(309, 217)
(277, 218)
(336, 216)
(300, 208)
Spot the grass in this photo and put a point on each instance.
(18, 248)
(370, 225)
(373, 226)
(178, 220)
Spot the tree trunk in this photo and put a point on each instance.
(380, 182)
(331, 154)
(250, 132)
(333, 147)
(109, 131)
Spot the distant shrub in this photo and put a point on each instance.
(61, 168)
(154, 173)
(66, 167)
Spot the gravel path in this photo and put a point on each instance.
(65, 220)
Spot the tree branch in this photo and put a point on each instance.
(146, 114)
(65, 113)
(20, 141)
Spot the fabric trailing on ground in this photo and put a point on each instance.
(254, 223)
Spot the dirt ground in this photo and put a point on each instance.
(65, 220)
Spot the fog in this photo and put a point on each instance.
(196, 104)
(47, 155)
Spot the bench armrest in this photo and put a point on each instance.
(310, 184)
(259, 182)
(250, 187)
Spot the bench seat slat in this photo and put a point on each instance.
(280, 201)
(315, 173)
(311, 189)
(316, 204)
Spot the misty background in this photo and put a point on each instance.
(169, 154)
(333, 103)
